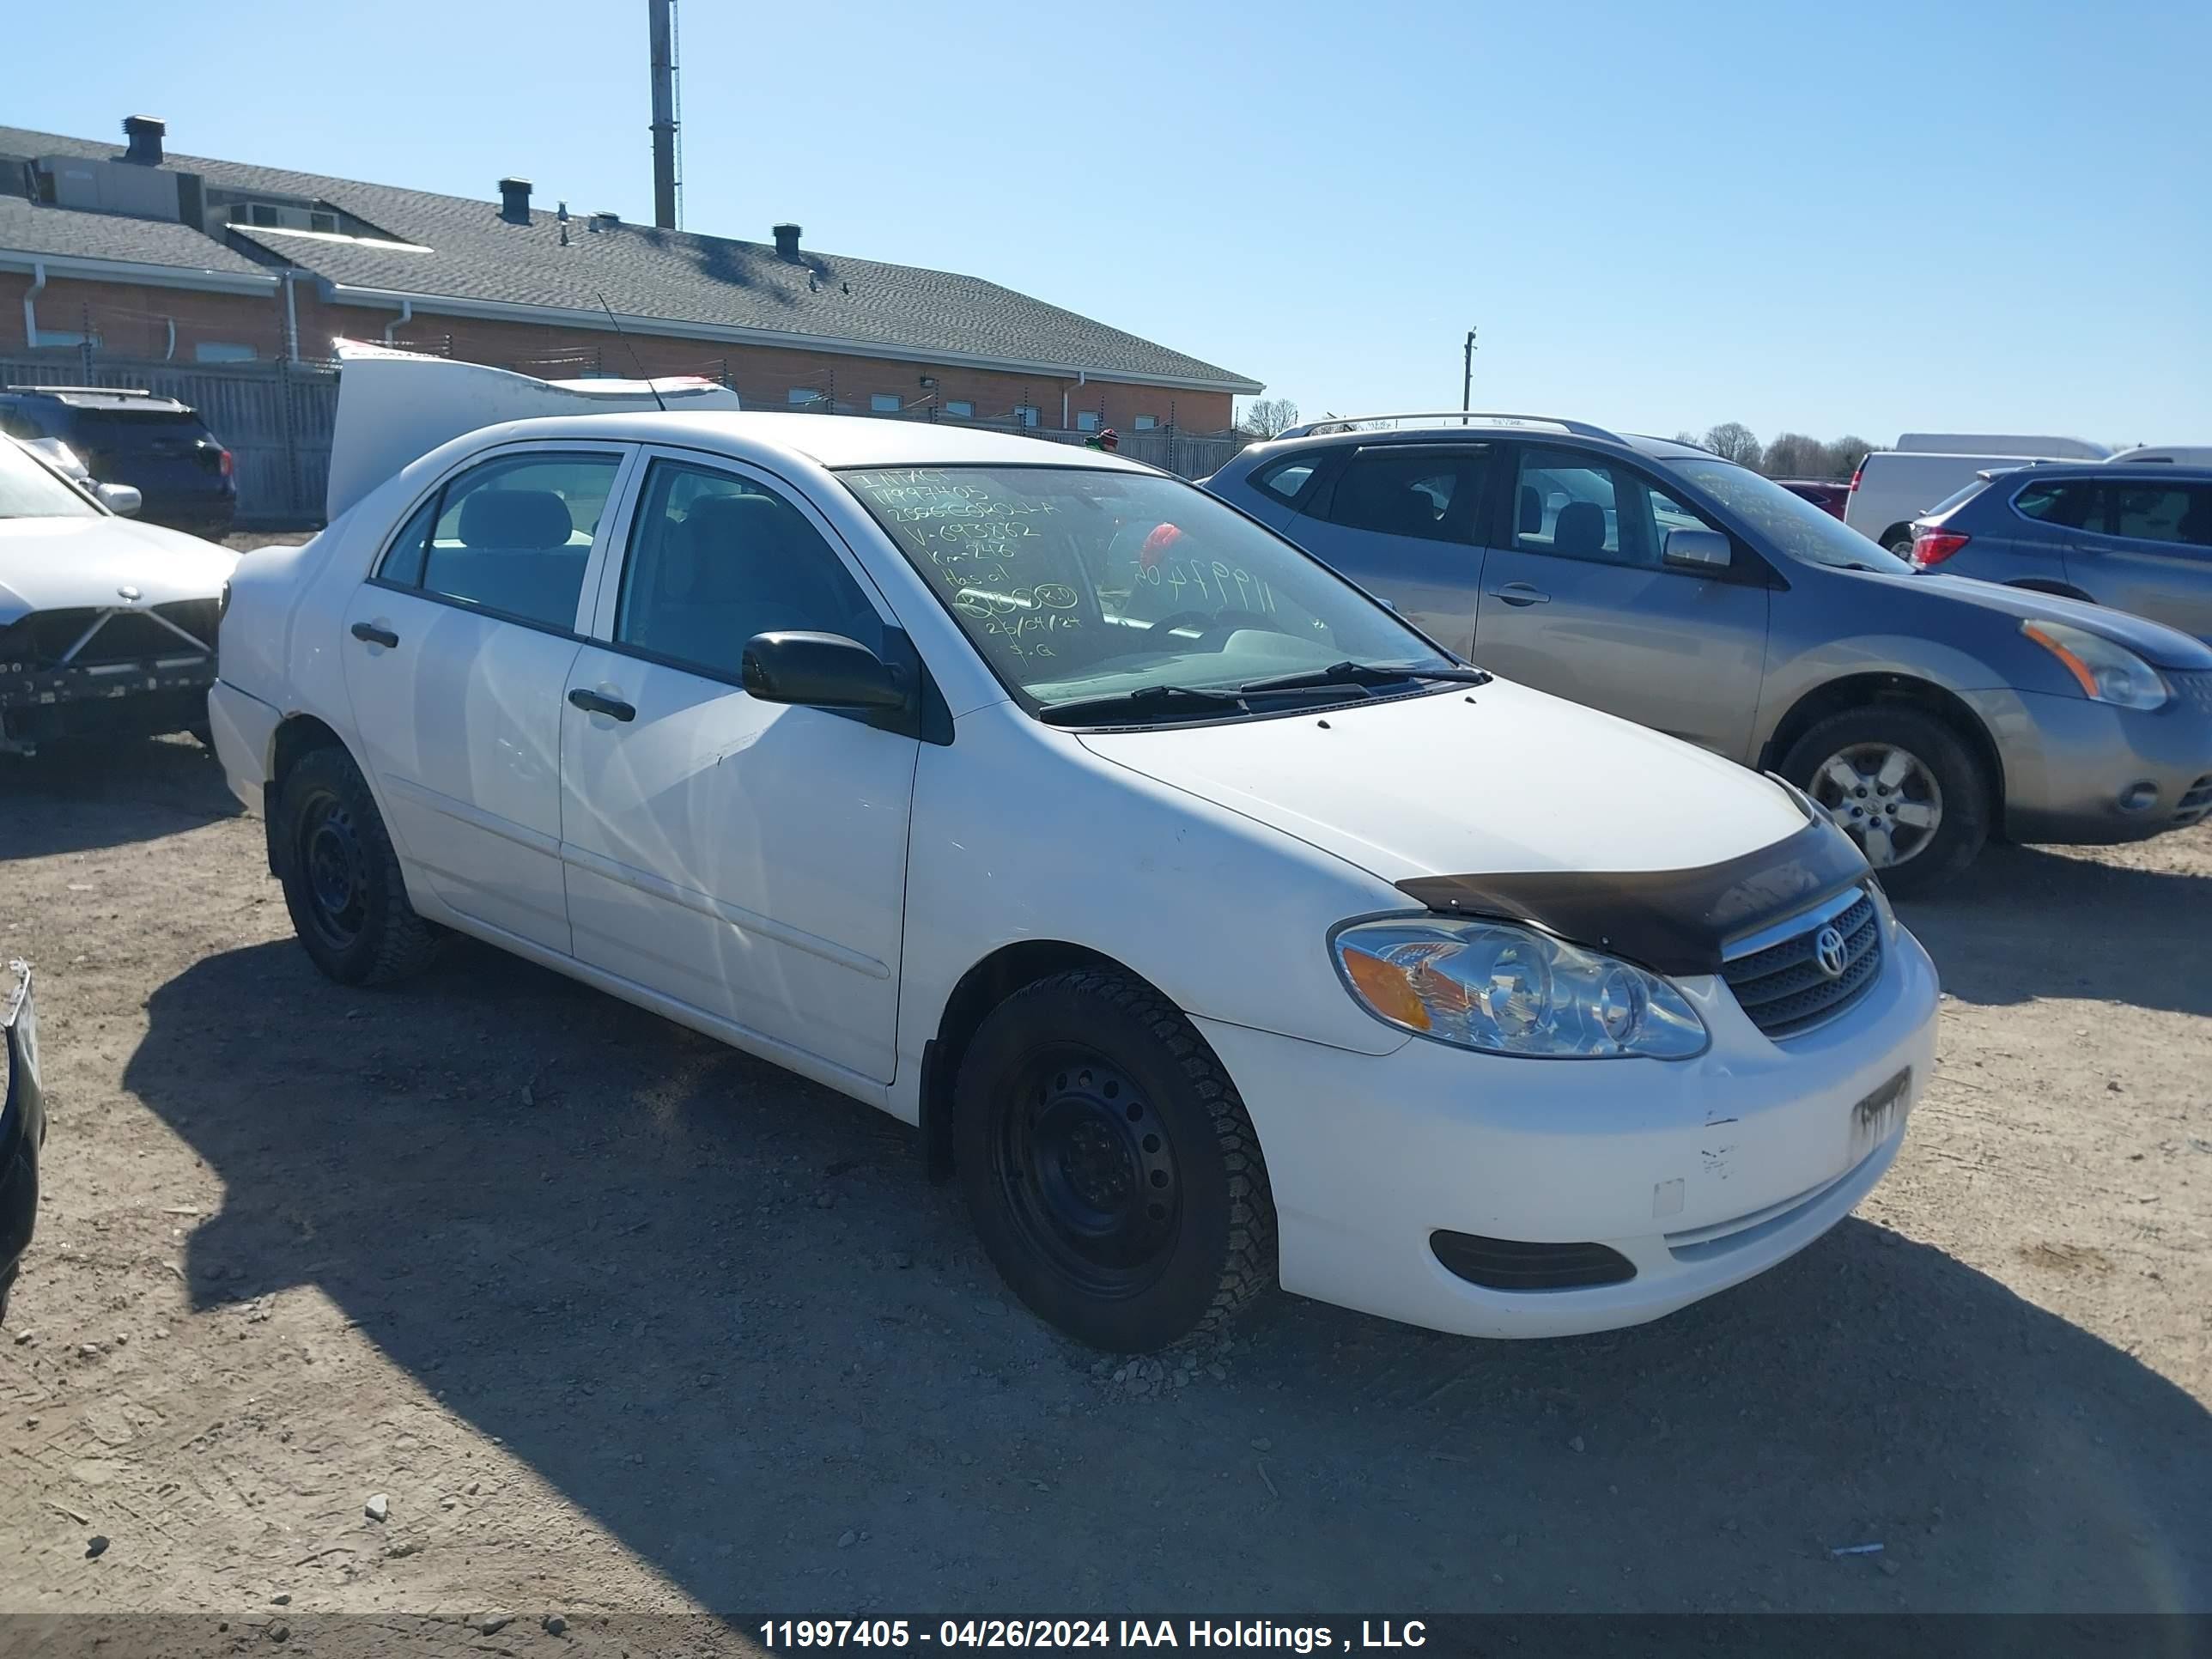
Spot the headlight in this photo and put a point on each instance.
(2107, 672)
(1510, 990)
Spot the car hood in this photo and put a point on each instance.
(52, 564)
(1498, 778)
(2155, 643)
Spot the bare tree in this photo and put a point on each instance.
(1732, 441)
(1841, 458)
(1691, 439)
(1793, 455)
(1268, 416)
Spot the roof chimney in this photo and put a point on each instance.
(786, 241)
(605, 219)
(514, 200)
(145, 133)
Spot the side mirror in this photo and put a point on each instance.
(123, 500)
(1703, 551)
(820, 670)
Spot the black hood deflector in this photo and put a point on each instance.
(1671, 921)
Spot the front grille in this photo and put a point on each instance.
(2195, 801)
(1783, 987)
(1506, 1264)
(2194, 689)
(39, 640)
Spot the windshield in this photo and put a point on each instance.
(1077, 584)
(1791, 523)
(30, 489)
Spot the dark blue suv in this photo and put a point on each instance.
(156, 445)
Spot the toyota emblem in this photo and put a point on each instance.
(1830, 952)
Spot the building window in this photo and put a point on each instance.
(885, 403)
(223, 351)
(1025, 415)
(1147, 423)
(1086, 420)
(802, 397)
(44, 337)
(960, 409)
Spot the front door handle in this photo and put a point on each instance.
(1521, 593)
(593, 703)
(370, 634)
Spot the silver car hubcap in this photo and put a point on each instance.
(1885, 798)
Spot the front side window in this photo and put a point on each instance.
(1076, 584)
(715, 559)
(1569, 504)
(2069, 504)
(511, 536)
(2162, 512)
(1401, 490)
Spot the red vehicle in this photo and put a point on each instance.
(1824, 493)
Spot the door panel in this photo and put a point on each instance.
(1402, 521)
(458, 708)
(748, 859)
(1580, 605)
(2150, 552)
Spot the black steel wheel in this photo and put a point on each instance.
(1111, 1170)
(342, 879)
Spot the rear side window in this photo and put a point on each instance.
(2069, 504)
(17, 424)
(511, 537)
(1286, 479)
(2163, 513)
(1409, 490)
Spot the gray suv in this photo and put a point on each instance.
(1656, 581)
(2138, 537)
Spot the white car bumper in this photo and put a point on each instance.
(244, 730)
(1700, 1173)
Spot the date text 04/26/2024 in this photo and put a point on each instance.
(1097, 1635)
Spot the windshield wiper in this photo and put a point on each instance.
(1147, 703)
(1361, 673)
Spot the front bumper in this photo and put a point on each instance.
(2071, 766)
(1702, 1173)
(102, 700)
(23, 1123)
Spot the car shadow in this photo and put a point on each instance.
(719, 1310)
(2023, 922)
(79, 797)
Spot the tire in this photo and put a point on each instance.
(1899, 545)
(1080, 1097)
(342, 880)
(1944, 772)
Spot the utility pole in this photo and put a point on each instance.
(661, 32)
(1466, 378)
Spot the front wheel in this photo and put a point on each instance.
(1112, 1172)
(342, 880)
(1902, 786)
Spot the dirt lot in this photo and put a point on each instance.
(616, 1320)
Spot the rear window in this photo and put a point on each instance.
(1957, 498)
(121, 422)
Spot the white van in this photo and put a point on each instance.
(1893, 487)
(2174, 455)
(2020, 445)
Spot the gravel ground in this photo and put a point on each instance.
(602, 1319)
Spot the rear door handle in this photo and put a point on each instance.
(370, 634)
(593, 703)
(1521, 593)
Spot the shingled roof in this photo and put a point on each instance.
(461, 255)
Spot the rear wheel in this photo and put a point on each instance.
(342, 880)
(1899, 543)
(1902, 786)
(1109, 1166)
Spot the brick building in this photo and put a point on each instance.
(138, 253)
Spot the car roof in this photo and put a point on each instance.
(98, 396)
(2149, 471)
(831, 441)
(1535, 429)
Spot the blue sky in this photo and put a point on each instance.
(1869, 218)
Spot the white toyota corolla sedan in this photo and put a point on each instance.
(1215, 927)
